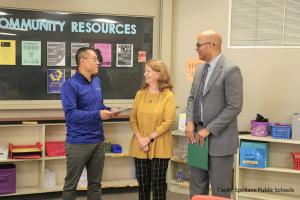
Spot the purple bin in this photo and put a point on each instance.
(259, 129)
(7, 178)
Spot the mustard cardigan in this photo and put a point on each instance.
(153, 112)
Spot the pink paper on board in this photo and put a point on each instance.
(105, 49)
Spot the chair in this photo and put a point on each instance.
(207, 197)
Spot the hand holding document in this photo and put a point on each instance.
(119, 110)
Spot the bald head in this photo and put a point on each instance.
(212, 36)
(209, 45)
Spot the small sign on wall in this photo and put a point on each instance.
(191, 65)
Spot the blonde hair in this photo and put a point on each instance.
(164, 80)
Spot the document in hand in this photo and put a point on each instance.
(198, 155)
(119, 110)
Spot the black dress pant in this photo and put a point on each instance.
(151, 174)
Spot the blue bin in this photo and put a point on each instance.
(116, 148)
(254, 154)
(281, 132)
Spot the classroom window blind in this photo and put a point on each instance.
(269, 23)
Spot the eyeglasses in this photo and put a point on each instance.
(198, 45)
(93, 59)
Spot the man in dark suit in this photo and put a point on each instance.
(213, 105)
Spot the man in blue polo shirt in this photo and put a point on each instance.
(84, 110)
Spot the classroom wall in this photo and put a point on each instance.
(271, 76)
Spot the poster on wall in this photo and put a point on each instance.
(74, 47)
(124, 55)
(56, 78)
(7, 52)
(105, 50)
(31, 53)
(142, 56)
(56, 53)
(190, 67)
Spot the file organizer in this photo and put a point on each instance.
(25, 151)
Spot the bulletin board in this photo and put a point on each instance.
(37, 51)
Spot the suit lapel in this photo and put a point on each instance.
(200, 68)
(216, 72)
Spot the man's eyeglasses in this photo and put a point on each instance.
(198, 45)
(93, 59)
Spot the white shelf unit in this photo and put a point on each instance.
(279, 175)
(119, 168)
(178, 163)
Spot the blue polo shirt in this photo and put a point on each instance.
(82, 100)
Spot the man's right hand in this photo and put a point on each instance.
(105, 114)
(189, 132)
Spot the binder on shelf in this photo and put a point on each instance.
(198, 155)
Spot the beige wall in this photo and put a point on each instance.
(271, 76)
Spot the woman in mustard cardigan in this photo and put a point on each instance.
(151, 120)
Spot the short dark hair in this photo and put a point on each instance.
(99, 55)
(80, 52)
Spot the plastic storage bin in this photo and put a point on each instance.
(296, 126)
(296, 160)
(116, 148)
(281, 131)
(259, 129)
(254, 154)
(7, 178)
(55, 148)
